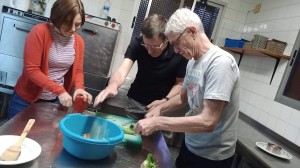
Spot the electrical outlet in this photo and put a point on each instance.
(3, 76)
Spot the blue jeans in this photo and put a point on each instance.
(17, 105)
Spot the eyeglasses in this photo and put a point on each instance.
(175, 43)
(152, 46)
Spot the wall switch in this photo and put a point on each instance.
(3, 76)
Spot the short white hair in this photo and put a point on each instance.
(181, 19)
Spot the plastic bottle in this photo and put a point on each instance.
(105, 9)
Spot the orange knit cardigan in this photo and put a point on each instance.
(36, 65)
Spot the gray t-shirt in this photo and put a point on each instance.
(214, 76)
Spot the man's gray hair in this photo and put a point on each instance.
(181, 19)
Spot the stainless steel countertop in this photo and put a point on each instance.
(249, 134)
(46, 132)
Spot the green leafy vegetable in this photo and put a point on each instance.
(131, 126)
(128, 130)
(149, 162)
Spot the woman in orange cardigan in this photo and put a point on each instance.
(53, 60)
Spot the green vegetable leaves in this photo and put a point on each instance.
(149, 162)
(128, 130)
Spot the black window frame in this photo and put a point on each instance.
(292, 63)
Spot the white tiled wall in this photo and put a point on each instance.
(233, 19)
(279, 20)
(257, 97)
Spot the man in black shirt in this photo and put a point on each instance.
(160, 70)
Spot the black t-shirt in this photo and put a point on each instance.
(155, 76)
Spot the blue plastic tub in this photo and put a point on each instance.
(104, 136)
(234, 43)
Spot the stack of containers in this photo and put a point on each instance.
(262, 42)
(259, 41)
(234, 43)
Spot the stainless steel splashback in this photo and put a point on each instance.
(100, 44)
(100, 38)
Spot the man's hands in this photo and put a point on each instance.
(154, 112)
(146, 126)
(109, 91)
(155, 103)
(150, 124)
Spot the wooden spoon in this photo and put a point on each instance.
(12, 153)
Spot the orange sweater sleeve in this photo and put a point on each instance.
(36, 56)
(78, 65)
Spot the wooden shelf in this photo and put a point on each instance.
(258, 52)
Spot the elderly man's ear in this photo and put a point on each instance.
(192, 29)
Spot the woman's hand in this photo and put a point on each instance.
(65, 99)
(86, 96)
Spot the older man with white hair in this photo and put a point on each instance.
(211, 88)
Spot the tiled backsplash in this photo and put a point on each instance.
(279, 20)
(257, 98)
